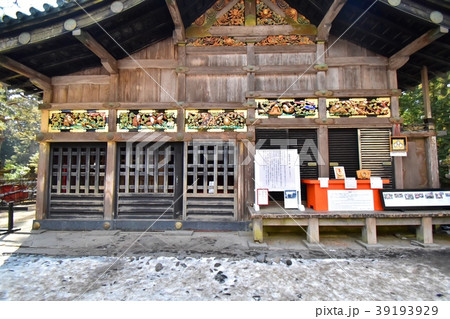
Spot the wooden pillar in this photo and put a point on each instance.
(42, 187)
(322, 132)
(432, 162)
(181, 86)
(312, 232)
(424, 232)
(369, 232)
(249, 163)
(426, 92)
(181, 55)
(258, 234)
(323, 154)
(240, 182)
(395, 113)
(431, 143)
(110, 181)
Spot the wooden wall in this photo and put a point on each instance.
(353, 67)
(91, 85)
(220, 74)
(415, 164)
(164, 74)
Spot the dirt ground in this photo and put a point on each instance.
(191, 266)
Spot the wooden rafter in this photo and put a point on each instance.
(40, 80)
(400, 58)
(108, 61)
(420, 11)
(324, 27)
(180, 34)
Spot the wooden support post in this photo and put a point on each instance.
(250, 13)
(42, 189)
(110, 179)
(240, 204)
(114, 87)
(251, 130)
(395, 113)
(258, 234)
(424, 233)
(432, 162)
(312, 233)
(323, 155)
(249, 169)
(431, 143)
(181, 53)
(369, 232)
(426, 92)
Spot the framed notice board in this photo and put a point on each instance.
(409, 199)
(278, 171)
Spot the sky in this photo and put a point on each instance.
(10, 7)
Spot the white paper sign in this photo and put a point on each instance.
(277, 170)
(399, 154)
(350, 183)
(323, 182)
(376, 183)
(291, 198)
(350, 200)
(262, 196)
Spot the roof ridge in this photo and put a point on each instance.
(47, 9)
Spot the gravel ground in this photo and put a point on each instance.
(417, 275)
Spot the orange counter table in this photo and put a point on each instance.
(317, 197)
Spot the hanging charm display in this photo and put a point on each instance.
(398, 144)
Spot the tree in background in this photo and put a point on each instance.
(19, 124)
(412, 111)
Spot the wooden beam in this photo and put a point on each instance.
(107, 60)
(260, 30)
(128, 63)
(378, 61)
(80, 79)
(400, 58)
(323, 30)
(180, 34)
(419, 11)
(40, 80)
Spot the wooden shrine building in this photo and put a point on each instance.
(152, 110)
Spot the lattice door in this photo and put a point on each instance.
(149, 180)
(211, 181)
(77, 177)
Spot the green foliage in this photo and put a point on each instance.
(412, 110)
(19, 123)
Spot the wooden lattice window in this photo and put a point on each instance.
(78, 168)
(211, 168)
(146, 168)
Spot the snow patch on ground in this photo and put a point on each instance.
(33, 277)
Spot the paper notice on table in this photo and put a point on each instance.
(350, 200)
(323, 182)
(376, 183)
(350, 183)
